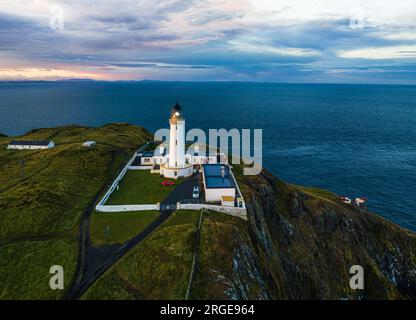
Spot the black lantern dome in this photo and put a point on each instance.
(176, 112)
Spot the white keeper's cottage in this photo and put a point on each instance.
(30, 144)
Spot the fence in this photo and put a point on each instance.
(193, 268)
(140, 167)
(232, 211)
(127, 208)
(118, 179)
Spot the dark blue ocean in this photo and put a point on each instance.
(355, 140)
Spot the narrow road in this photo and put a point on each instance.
(85, 248)
(94, 261)
(99, 260)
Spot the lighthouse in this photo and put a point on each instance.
(176, 166)
(177, 138)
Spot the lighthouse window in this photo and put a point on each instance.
(176, 127)
(176, 142)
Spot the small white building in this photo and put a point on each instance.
(360, 201)
(30, 144)
(218, 183)
(89, 144)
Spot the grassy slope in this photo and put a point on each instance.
(158, 268)
(218, 240)
(123, 226)
(39, 215)
(140, 187)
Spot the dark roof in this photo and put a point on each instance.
(176, 107)
(219, 183)
(30, 142)
(176, 111)
(215, 170)
(137, 162)
(214, 178)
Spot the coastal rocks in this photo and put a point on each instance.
(304, 245)
(297, 204)
(245, 272)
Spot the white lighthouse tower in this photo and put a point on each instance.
(177, 138)
(176, 166)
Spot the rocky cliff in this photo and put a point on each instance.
(301, 243)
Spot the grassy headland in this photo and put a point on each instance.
(42, 200)
(298, 242)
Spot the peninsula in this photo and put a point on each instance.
(297, 242)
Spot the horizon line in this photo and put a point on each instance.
(79, 80)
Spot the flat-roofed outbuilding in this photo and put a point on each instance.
(218, 182)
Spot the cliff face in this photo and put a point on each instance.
(302, 242)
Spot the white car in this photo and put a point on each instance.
(195, 192)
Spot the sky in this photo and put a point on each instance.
(337, 41)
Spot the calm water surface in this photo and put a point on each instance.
(356, 140)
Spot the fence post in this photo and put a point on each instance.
(188, 290)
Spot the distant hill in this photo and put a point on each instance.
(2, 135)
(46, 81)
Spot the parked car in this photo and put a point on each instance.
(167, 183)
(195, 192)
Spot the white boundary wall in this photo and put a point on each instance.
(127, 208)
(232, 211)
(140, 168)
(101, 207)
(117, 180)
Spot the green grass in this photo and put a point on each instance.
(221, 238)
(140, 187)
(319, 193)
(109, 228)
(45, 206)
(24, 268)
(158, 268)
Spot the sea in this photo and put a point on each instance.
(354, 140)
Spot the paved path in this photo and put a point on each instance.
(94, 261)
(99, 260)
(182, 191)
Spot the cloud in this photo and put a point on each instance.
(393, 52)
(265, 40)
